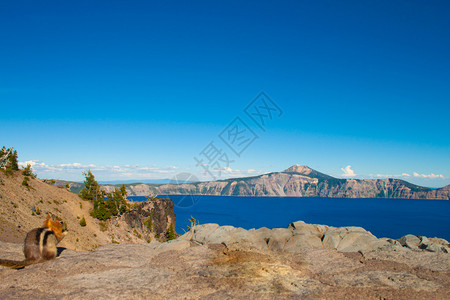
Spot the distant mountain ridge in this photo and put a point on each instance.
(296, 181)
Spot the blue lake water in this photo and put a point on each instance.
(392, 218)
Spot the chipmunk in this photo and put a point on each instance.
(40, 244)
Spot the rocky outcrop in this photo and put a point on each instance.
(299, 181)
(302, 235)
(147, 220)
(223, 262)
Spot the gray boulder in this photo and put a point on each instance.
(202, 232)
(228, 235)
(348, 239)
(278, 238)
(301, 228)
(297, 242)
(410, 241)
(439, 241)
(383, 244)
(422, 243)
(435, 248)
(434, 245)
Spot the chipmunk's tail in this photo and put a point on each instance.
(15, 264)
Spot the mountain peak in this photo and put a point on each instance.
(299, 169)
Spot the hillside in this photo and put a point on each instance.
(22, 209)
(299, 181)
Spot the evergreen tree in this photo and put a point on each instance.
(100, 210)
(9, 160)
(28, 171)
(116, 201)
(14, 161)
(170, 234)
(105, 204)
(91, 190)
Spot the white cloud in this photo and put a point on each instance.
(32, 163)
(76, 166)
(389, 175)
(430, 176)
(228, 169)
(74, 171)
(348, 172)
(224, 173)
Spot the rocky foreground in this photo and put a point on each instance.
(211, 262)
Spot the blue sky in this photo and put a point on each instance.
(137, 89)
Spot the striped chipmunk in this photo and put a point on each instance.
(40, 243)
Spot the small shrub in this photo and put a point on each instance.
(103, 226)
(35, 211)
(56, 202)
(83, 222)
(25, 183)
(114, 241)
(137, 233)
(27, 171)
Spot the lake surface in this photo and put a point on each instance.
(392, 218)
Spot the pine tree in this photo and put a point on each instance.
(91, 190)
(14, 161)
(28, 171)
(170, 234)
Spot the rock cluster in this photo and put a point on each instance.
(302, 235)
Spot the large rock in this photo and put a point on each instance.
(297, 242)
(301, 228)
(348, 239)
(201, 233)
(410, 241)
(278, 238)
(227, 235)
(383, 244)
(434, 244)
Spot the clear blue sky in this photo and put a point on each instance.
(137, 89)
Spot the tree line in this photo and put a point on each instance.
(106, 205)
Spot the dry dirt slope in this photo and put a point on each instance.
(17, 203)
